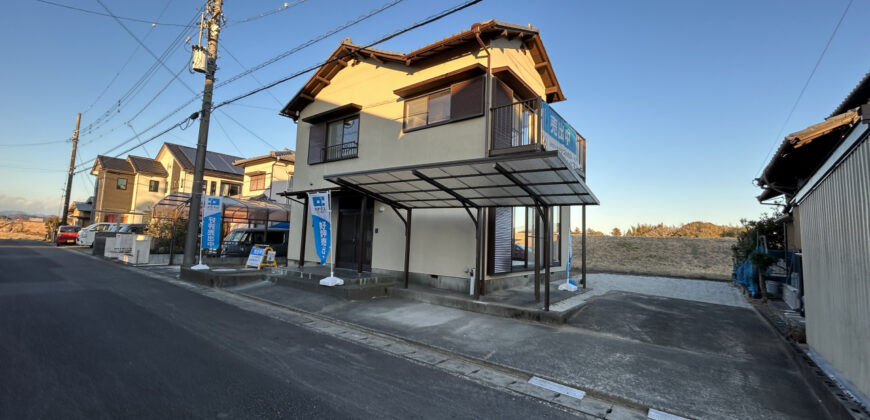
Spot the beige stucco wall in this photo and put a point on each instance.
(277, 174)
(442, 240)
(144, 200)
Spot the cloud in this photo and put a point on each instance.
(35, 206)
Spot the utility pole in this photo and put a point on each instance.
(72, 167)
(214, 28)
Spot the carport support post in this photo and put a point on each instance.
(537, 219)
(407, 245)
(304, 232)
(361, 235)
(548, 237)
(478, 276)
(583, 255)
(172, 242)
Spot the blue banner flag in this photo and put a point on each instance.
(320, 211)
(211, 221)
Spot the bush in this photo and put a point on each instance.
(51, 224)
(161, 230)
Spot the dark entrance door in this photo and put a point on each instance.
(355, 225)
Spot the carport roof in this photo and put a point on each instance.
(520, 179)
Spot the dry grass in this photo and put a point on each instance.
(702, 258)
(22, 230)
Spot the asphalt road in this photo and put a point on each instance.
(81, 338)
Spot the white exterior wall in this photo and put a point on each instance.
(835, 227)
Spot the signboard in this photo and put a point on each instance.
(211, 221)
(560, 136)
(320, 211)
(255, 258)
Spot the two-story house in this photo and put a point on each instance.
(458, 130)
(126, 190)
(220, 176)
(268, 175)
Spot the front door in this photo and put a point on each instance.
(354, 239)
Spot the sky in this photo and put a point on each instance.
(681, 102)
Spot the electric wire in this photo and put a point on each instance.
(248, 130)
(285, 6)
(226, 134)
(432, 18)
(124, 66)
(223, 47)
(44, 143)
(804, 88)
(95, 12)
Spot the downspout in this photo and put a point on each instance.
(487, 91)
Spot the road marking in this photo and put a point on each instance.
(661, 415)
(561, 389)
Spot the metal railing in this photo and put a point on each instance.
(340, 151)
(516, 124)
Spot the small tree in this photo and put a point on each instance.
(164, 234)
(593, 232)
(51, 223)
(616, 232)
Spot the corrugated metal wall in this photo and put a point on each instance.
(835, 228)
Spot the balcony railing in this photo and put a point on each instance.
(516, 124)
(533, 125)
(340, 151)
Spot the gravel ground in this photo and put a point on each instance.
(722, 293)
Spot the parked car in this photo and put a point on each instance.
(66, 235)
(239, 242)
(86, 235)
(138, 228)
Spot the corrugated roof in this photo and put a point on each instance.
(114, 164)
(83, 206)
(214, 161)
(147, 165)
(491, 29)
(857, 97)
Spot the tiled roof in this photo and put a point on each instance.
(147, 165)
(491, 29)
(285, 155)
(115, 164)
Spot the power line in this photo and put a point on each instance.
(227, 135)
(310, 42)
(130, 58)
(224, 47)
(440, 15)
(94, 12)
(430, 19)
(284, 7)
(45, 143)
(807, 83)
(137, 87)
(248, 130)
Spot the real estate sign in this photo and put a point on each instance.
(320, 211)
(211, 221)
(560, 136)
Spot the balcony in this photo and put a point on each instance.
(340, 152)
(531, 125)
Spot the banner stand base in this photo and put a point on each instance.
(199, 267)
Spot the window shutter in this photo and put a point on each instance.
(502, 128)
(316, 142)
(466, 99)
(501, 243)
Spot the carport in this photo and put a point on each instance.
(176, 206)
(539, 179)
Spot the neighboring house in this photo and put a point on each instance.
(823, 175)
(113, 189)
(126, 190)
(220, 176)
(267, 175)
(386, 129)
(80, 212)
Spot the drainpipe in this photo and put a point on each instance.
(487, 112)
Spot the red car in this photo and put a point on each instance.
(67, 235)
